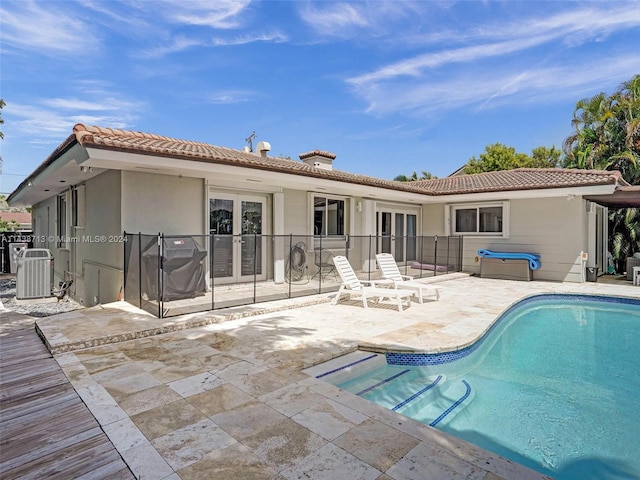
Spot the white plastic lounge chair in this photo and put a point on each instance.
(353, 286)
(390, 271)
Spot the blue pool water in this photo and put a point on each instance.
(554, 385)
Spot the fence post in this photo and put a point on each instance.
(347, 242)
(435, 256)
(421, 252)
(369, 258)
(290, 260)
(160, 287)
(212, 239)
(124, 264)
(255, 265)
(140, 269)
(320, 267)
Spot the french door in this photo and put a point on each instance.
(396, 231)
(238, 248)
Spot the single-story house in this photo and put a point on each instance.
(102, 182)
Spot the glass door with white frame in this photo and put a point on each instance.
(236, 225)
(397, 233)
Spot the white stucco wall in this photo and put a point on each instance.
(116, 202)
(98, 264)
(94, 257)
(153, 203)
(433, 219)
(555, 228)
(296, 212)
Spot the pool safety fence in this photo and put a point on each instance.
(169, 275)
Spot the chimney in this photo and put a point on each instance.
(263, 148)
(318, 159)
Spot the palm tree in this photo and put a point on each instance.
(625, 240)
(592, 120)
(607, 137)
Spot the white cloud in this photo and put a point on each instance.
(108, 104)
(219, 14)
(230, 96)
(335, 18)
(47, 28)
(177, 44)
(126, 18)
(490, 86)
(349, 19)
(275, 37)
(533, 59)
(39, 122)
(54, 118)
(415, 66)
(402, 131)
(574, 26)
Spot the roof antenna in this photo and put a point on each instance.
(249, 140)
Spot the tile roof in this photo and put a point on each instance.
(519, 179)
(151, 144)
(317, 153)
(136, 142)
(19, 217)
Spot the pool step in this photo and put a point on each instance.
(428, 398)
(451, 399)
(348, 366)
(408, 386)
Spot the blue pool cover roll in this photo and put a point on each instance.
(534, 259)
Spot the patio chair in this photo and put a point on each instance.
(353, 286)
(324, 262)
(390, 271)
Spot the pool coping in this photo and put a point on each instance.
(463, 349)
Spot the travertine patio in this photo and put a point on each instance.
(221, 394)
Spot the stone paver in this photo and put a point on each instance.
(228, 399)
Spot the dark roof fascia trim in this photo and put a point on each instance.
(63, 148)
(270, 168)
(627, 196)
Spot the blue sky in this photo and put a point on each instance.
(389, 87)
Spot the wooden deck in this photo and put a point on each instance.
(46, 431)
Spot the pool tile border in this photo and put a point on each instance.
(418, 359)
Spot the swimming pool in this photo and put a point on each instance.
(554, 385)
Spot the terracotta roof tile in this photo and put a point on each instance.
(136, 142)
(507, 180)
(20, 217)
(317, 153)
(519, 179)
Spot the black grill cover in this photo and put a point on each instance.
(183, 273)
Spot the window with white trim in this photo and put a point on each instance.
(328, 216)
(490, 219)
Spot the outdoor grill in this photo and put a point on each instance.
(182, 269)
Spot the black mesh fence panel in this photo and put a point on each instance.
(132, 269)
(150, 281)
(170, 275)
